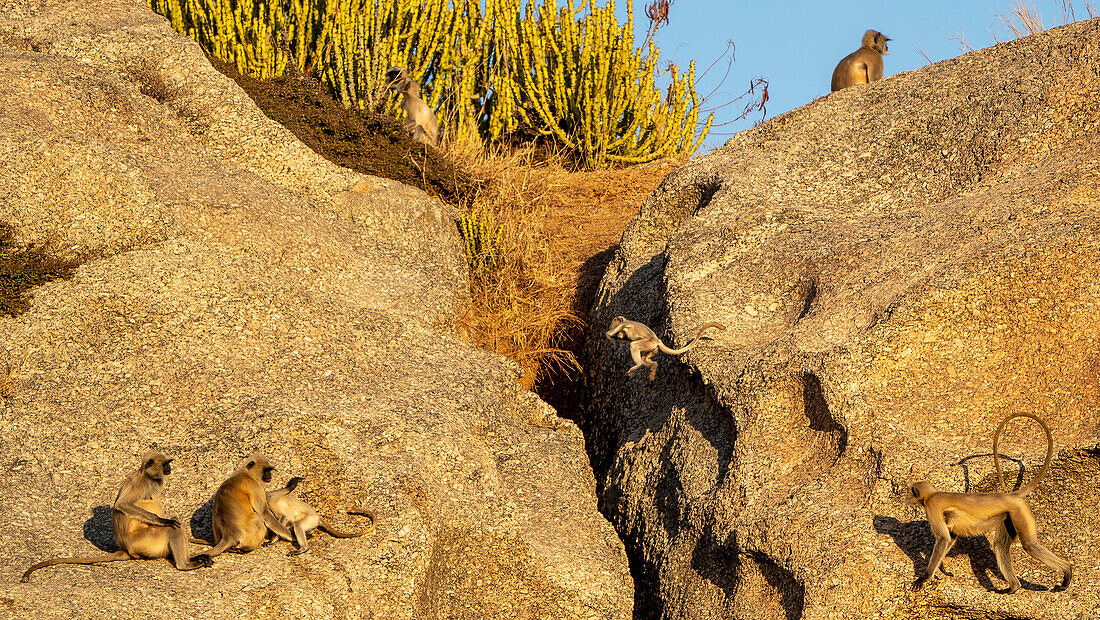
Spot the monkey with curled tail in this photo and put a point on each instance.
(644, 344)
(951, 515)
(301, 518)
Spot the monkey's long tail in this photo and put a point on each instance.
(698, 335)
(117, 555)
(1029, 487)
(326, 526)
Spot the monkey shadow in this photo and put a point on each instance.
(916, 540)
(99, 529)
(202, 521)
(966, 470)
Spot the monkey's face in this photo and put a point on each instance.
(880, 44)
(156, 465)
(917, 492)
(614, 327)
(259, 467)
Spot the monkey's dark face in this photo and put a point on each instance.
(259, 467)
(916, 493)
(156, 466)
(880, 44)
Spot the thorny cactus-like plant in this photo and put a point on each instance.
(482, 242)
(568, 73)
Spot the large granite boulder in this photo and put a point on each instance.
(240, 293)
(899, 266)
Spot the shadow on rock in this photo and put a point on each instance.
(966, 470)
(916, 540)
(202, 521)
(716, 562)
(100, 529)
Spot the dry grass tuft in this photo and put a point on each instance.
(1024, 19)
(23, 268)
(522, 298)
(152, 82)
(538, 236)
(8, 378)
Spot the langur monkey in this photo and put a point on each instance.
(141, 529)
(644, 344)
(864, 65)
(972, 514)
(420, 121)
(300, 517)
(241, 516)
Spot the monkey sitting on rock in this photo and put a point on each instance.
(141, 529)
(301, 518)
(864, 65)
(241, 516)
(644, 344)
(420, 121)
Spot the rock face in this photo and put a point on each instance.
(899, 266)
(240, 293)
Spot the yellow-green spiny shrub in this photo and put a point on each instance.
(505, 68)
(483, 241)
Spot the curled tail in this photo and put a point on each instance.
(1029, 487)
(699, 334)
(326, 526)
(335, 533)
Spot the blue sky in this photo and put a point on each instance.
(795, 45)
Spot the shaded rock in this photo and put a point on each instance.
(899, 266)
(240, 293)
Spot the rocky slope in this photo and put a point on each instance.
(899, 266)
(240, 293)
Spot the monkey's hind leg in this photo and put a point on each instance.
(1002, 543)
(642, 353)
(636, 354)
(1022, 523)
(177, 546)
(1041, 553)
(300, 539)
